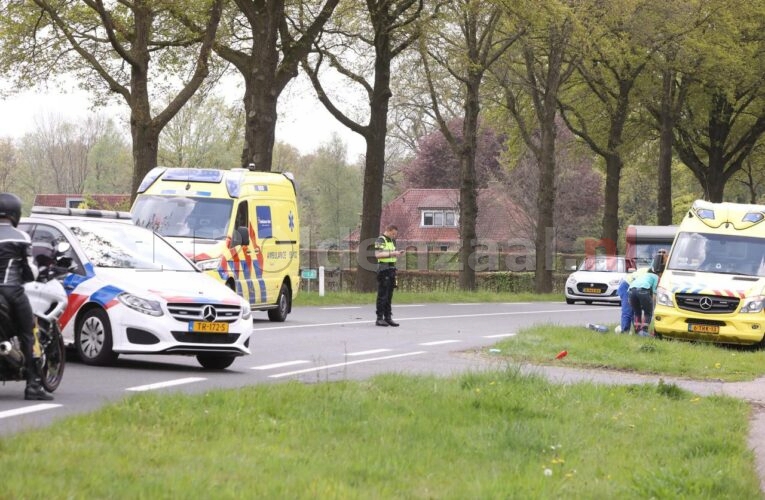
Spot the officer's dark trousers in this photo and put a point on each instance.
(386, 279)
(23, 322)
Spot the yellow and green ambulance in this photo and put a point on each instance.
(239, 225)
(713, 286)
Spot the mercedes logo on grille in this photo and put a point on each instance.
(209, 313)
(705, 303)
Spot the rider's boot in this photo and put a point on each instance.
(34, 390)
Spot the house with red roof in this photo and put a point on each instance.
(429, 219)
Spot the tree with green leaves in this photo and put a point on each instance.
(530, 82)
(464, 42)
(722, 115)
(359, 49)
(206, 132)
(265, 40)
(616, 43)
(137, 50)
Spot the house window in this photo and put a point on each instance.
(73, 202)
(438, 218)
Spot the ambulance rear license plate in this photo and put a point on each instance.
(591, 290)
(703, 328)
(208, 327)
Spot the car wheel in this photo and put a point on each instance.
(55, 359)
(588, 302)
(215, 361)
(282, 305)
(93, 338)
(569, 301)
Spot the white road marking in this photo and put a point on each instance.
(169, 383)
(439, 342)
(347, 363)
(409, 305)
(28, 409)
(280, 365)
(477, 315)
(364, 353)
(339, 308)
(499, 335)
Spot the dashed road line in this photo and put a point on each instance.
(499, 335)
(364, 353)
(280, 365)
(347, 363)
(439, 342)
(169, 383)
(28, 409)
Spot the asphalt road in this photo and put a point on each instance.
(315, 344)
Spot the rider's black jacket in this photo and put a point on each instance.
(15, 250)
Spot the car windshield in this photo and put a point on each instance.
(181, 216)
(718, 253)
(603, 263)
(126, 246)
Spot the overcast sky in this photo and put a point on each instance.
(303, 121)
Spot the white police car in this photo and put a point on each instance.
(597, 279)
(131, 292)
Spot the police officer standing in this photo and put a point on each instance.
(15, 270)
(386, 254)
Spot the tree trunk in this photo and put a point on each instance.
(468, 195)
(611, 209)
(261, 128)
(145, 146)
(261, 118)
(543, 281)
(664, 170)
(375, 133)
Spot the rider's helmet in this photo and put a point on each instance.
(10, 207)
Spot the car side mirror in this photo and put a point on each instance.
(240, 237)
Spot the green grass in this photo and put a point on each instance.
(590, 349)
(490, 435)
(338, 298)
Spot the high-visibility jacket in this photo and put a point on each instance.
(387, 245)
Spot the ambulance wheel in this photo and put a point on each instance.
(93, 338)
(279, 313)
(215, 361)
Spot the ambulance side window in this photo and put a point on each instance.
(241, 216)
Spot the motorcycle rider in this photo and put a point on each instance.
(15, 270)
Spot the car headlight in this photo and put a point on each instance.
(664, 298)
(753, 304)
(571, 281)
(615, 282)
(150, 307)
(208, 265)
(246, 310)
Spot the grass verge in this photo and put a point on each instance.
(590, 349)
(489, 435)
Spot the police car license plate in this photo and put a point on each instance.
(208, 327)
(703, 328)
(591, 290)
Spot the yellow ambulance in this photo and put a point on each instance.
(238, 225)
(712, 288)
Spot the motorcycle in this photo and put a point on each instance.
(49, 300)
